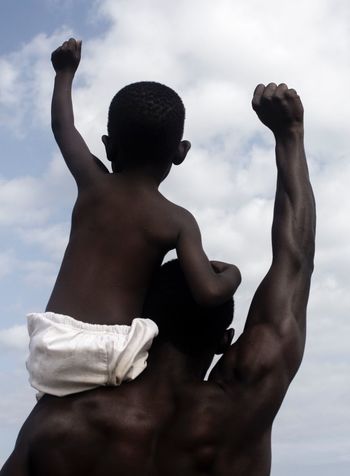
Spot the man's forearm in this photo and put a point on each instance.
(293, 230)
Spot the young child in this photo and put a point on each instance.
(91, 333)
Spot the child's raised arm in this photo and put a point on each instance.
(211, 283)
(80, 161)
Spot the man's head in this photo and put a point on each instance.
(145, 126)
(191, 328)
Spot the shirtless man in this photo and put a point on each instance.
(169, 422)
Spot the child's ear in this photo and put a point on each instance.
(181, 152)
(225, 341)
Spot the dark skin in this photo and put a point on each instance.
(169, 421)
(122, 226)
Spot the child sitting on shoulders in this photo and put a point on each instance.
(122, 227)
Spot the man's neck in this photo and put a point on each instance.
(167, 363)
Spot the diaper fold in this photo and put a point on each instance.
(67, 356)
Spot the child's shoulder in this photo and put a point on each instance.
(176, 210)
(184, 218)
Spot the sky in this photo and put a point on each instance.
(213, 54)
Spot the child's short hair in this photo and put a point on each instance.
(146, 121)
(180, 319)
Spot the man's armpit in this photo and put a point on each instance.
(257, 353)
(269, 349)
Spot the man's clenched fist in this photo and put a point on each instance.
(278, 107)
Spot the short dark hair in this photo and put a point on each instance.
(180, 319)
(146, 121)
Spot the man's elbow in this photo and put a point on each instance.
(301, 256)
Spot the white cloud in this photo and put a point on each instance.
(40, 273)
(7, 263)
(52, 239)
(9, 75)
(22, 201)
(26, 83)
(315, 420)
(15, 338)
(37, 209)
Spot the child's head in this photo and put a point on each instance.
(145, 125)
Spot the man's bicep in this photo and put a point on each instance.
(282, 295)
(265, 350)
(274, 335)
(261, 361)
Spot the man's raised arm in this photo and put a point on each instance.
(274, 336)
(82, 164)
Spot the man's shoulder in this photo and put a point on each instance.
(256, 362)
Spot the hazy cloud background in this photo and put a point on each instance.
(213, 54)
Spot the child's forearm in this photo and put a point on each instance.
(65, 60)
(62, 116)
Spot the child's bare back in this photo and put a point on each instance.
(121, 230)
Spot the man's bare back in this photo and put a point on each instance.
(160, 424)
